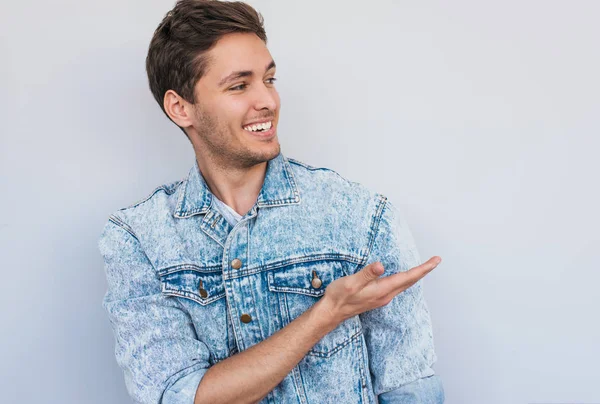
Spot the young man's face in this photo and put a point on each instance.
(236, 92)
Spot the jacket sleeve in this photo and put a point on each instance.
(155, 341)
(399, 335)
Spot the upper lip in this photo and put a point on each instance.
(257, 122)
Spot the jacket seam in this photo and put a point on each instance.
(307, 166)
(189, 295)
(118, 222)
(189, 267)
(293, 261)
(169, 189)
(313, 168)
(375, 226)
(337, 348)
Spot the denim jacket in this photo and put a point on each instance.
(186, 289)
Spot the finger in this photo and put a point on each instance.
(426, 267)
(369, 273)
(418, 272)
(400, 281)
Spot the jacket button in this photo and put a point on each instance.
(245, 318)
(236, 263)
(316, 282)
(202, 291)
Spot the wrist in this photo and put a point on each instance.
(324, 314)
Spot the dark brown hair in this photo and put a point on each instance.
(177, 53)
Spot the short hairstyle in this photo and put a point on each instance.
(177, 57)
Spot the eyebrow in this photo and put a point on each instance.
(243, 73)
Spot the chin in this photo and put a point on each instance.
(252, 156)
(271, 152)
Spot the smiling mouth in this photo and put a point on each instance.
(259, 127)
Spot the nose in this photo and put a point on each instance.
(265, 98)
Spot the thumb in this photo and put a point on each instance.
(371, 272)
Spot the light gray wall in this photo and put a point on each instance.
(480, 119)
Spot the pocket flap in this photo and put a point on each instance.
(202, 287)
(303, 278)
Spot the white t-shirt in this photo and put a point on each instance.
(226, 211)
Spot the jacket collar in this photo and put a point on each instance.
(278, 189)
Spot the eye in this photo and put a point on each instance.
(238, 87)
(272, 80)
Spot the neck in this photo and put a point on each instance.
(237, 187)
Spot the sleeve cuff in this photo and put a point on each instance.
(427, 390)
(184, 389)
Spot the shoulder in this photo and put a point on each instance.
(160, 201)
(322, 175)
(318, 176)
(326, 185)
(161, 191)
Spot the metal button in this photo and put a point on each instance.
(236, 263)
(245, 318)
(203, 292)
(316, 282)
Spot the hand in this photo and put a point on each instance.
(363, 291)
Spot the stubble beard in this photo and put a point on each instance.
(223, 149)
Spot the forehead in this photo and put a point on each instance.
(236, 52)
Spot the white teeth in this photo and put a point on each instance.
(263, 126)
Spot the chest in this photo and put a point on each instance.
(242, 283)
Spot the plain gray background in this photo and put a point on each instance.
(479, 119)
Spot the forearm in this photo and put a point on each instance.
(249, 376)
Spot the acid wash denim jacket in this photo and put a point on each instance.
(186, 289)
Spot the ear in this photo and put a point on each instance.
(178, 109)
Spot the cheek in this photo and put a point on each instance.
(237, 111)
(276, 97)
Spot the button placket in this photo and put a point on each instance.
(246, 328)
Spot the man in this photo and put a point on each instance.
(258, 277)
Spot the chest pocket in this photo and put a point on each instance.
(202, 294)
(298, 287)
(201, 287)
